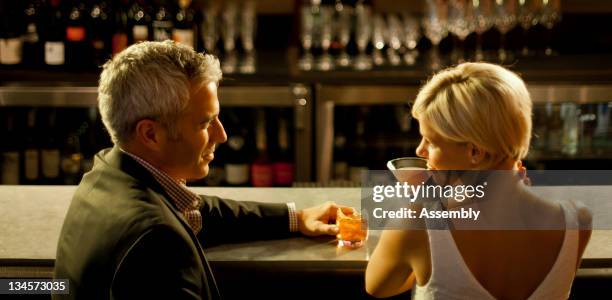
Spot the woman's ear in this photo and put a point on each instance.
(476, 154)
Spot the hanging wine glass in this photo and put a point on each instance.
(378, 39)
(550, 16)
(306, 32)
(344, 15)
(483, 21)
(229, 34)
(363, 32)
(325, 30)
(248, 25)
(505, 20)
(460, 24)
(411, 36)
(435, 29)
(394, 39)
(210, 27)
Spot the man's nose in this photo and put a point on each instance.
(220, 134)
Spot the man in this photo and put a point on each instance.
(133, 230)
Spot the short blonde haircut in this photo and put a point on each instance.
(479, 103)
(151, 80)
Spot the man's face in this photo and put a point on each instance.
(199, 132)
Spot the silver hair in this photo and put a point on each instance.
(151, 80)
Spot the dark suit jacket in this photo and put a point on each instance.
(123, 238)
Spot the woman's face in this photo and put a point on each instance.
(442, 154)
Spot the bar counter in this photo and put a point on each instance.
(31, 218)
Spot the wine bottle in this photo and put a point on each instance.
(120, 28)
(72, 159)
(50, 153)
(33, 48)
(100, 31)
(184, 25)
(139, 20)
(11, 40)
(89, 140)
(283, 166)
(162, 22)
(261, 169)
(55, 47)
(236, 166)
(358, 155)
(216, 168)
(31, 150)
(77, 49)
(340, 167)
(9, 151)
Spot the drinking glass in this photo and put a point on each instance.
(549, 17)
(210, 27)
(435, 29)
(352, 229)
(363, 32)
(248, 25)
(527, 19)
(505, 20)
(306, 32)
(460, 24)
(343, 19)
(411, 36)
(325, 30)
(229, 33)
(411, 170)
(378, 39)
(394, 35)
(483, 21)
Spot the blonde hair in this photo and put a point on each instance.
(479, 103)
(151, 80)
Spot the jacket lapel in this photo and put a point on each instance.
(116, 158)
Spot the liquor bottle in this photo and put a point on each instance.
(9, 151)
(185, 25)
(555, 128)
(261, 169)
(162, 21)
(33, 51)
(11, 40)
(283, 166)
(120, 30)
(100, 31)
(77, 48)
(72, 159)
(50, 153)
(31, 151)
(55, 48)
(89, 144)
(358, 155)
(236, 166)
(139, 20)
(569, 114)
(340, 168)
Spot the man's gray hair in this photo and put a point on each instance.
(151, 80)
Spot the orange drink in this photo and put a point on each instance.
(352, 228)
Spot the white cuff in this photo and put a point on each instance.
(293, 218)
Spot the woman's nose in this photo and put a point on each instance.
(421, 150)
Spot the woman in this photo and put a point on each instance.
(477, 116)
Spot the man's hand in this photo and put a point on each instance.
(316, 220)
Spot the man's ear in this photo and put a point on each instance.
(150, 134)
(476, 154)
